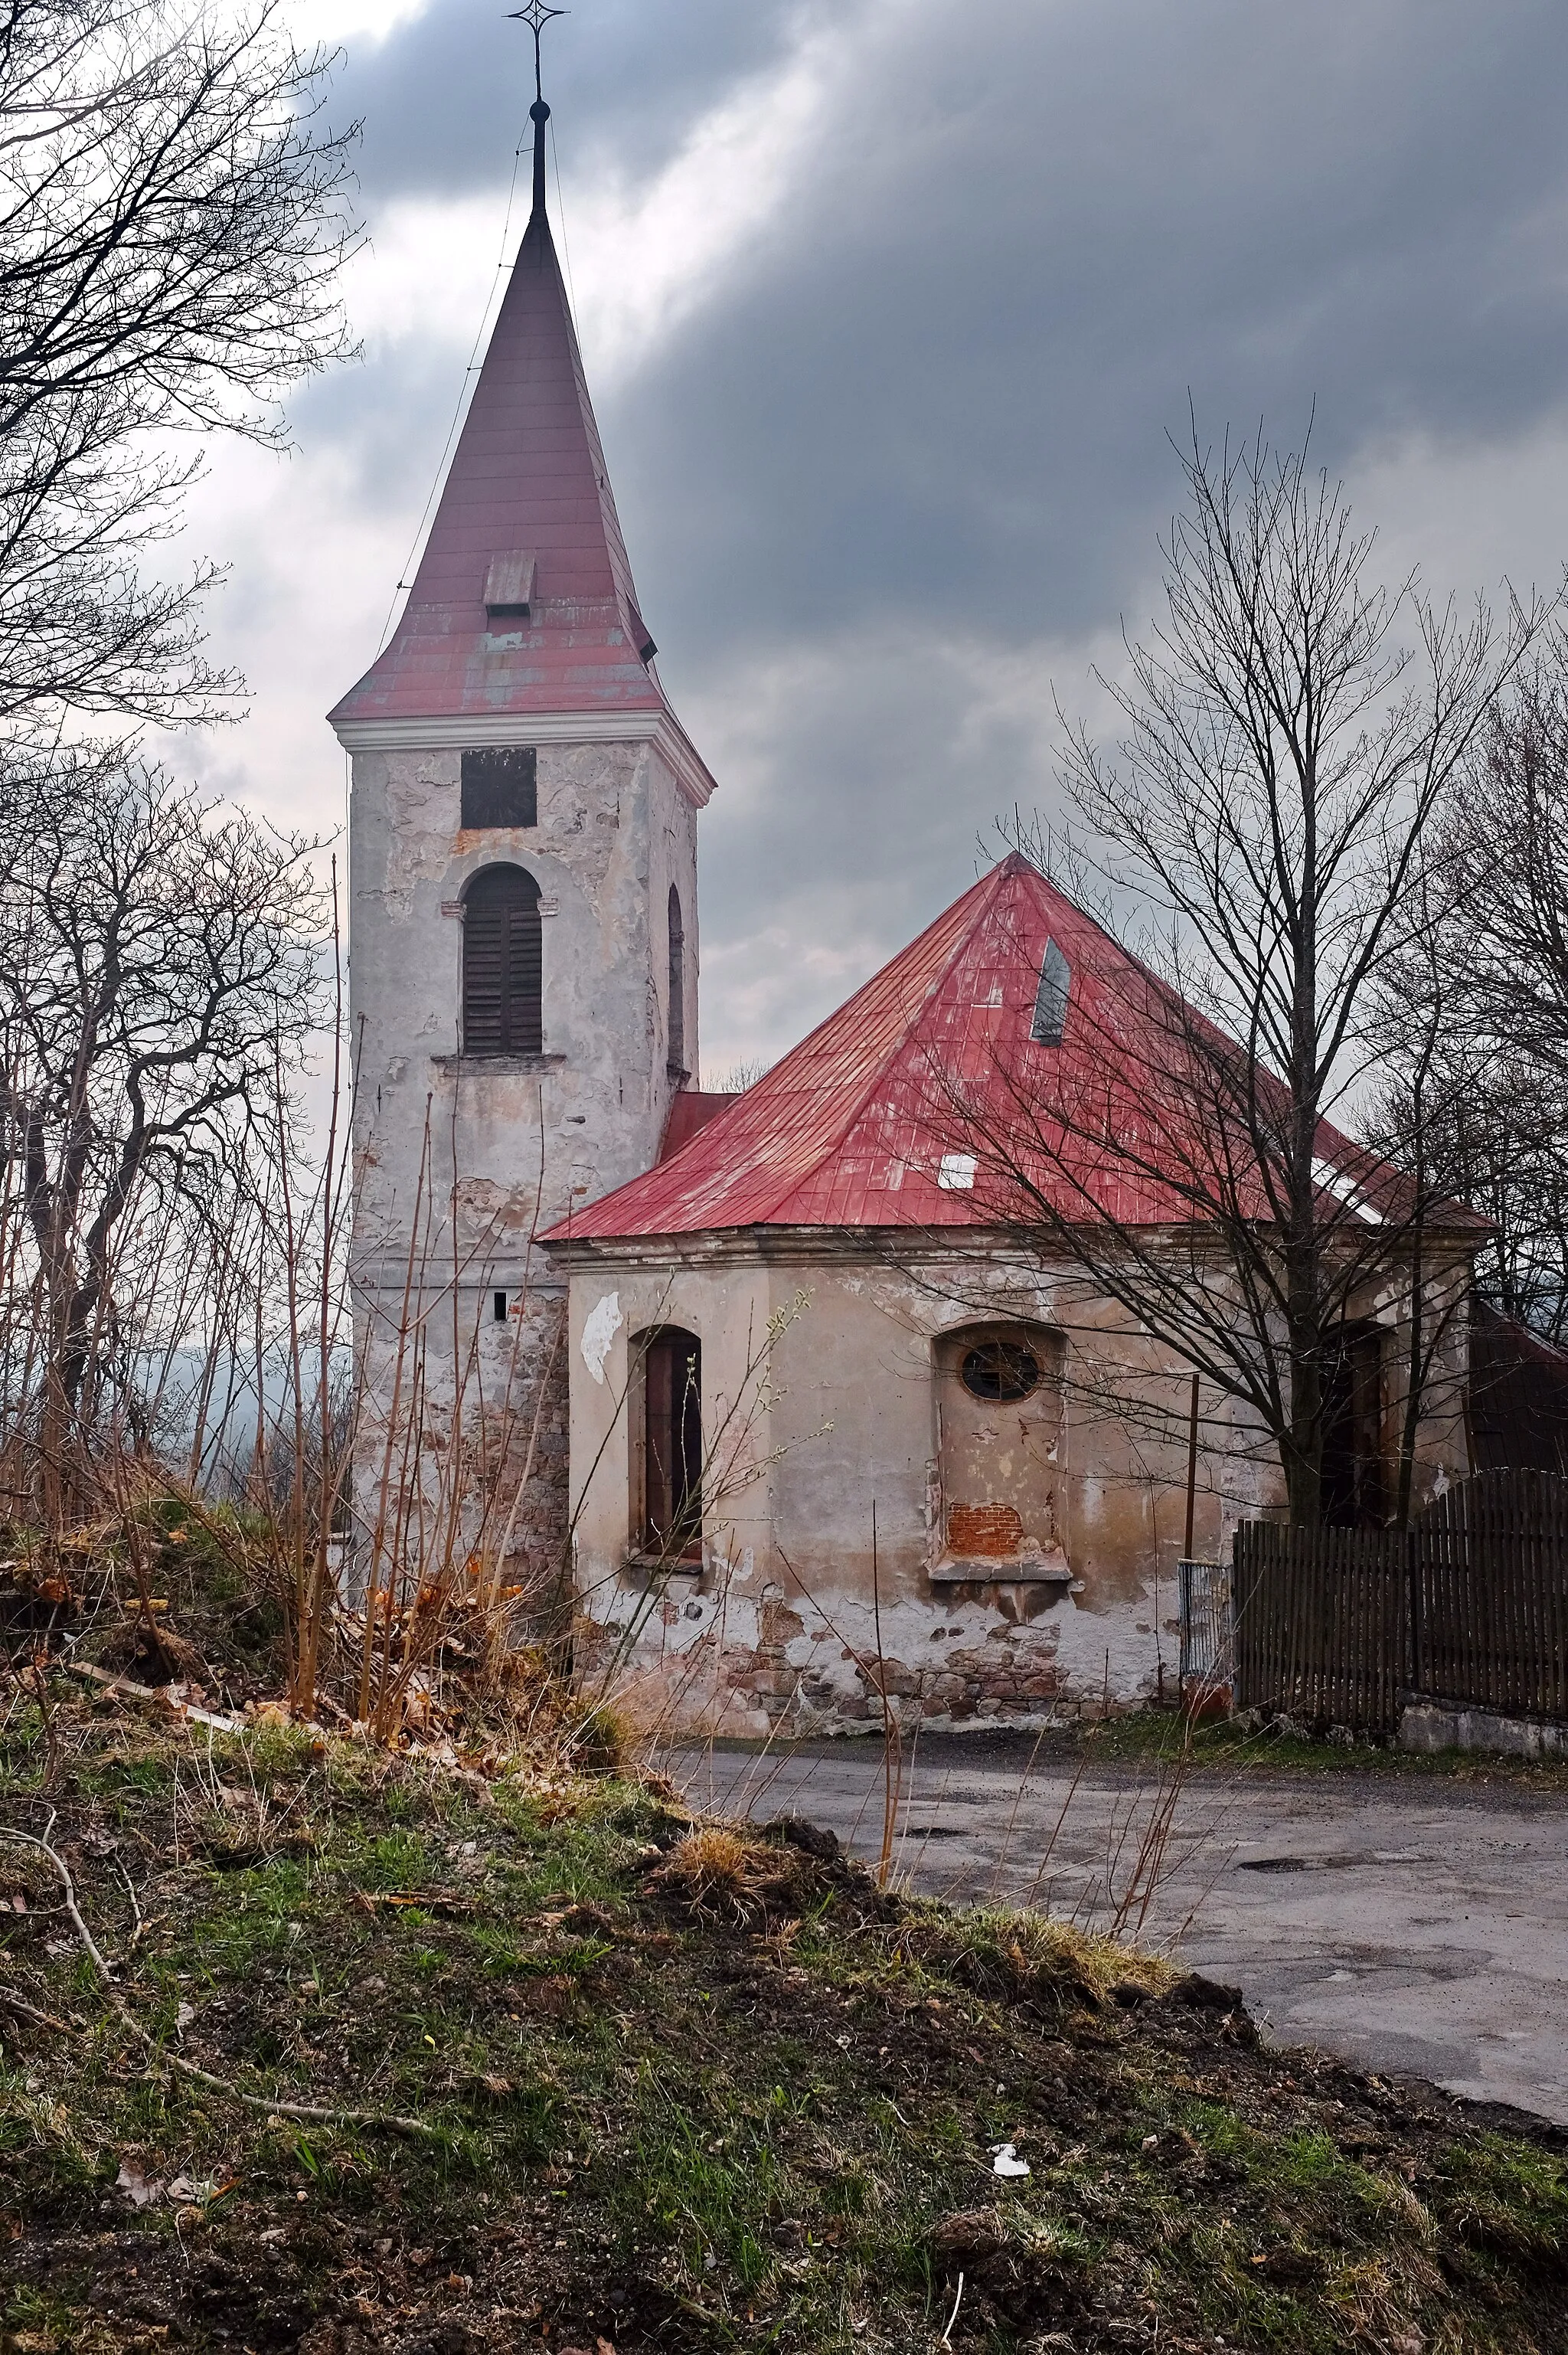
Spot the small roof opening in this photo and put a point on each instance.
(641, 639)
(509, 586)
(1051, 997)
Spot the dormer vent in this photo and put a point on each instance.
(1050, 998)
(646, 649)
(509, 586)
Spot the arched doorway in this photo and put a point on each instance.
(667, 1434)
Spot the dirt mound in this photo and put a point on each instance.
(396, 2063)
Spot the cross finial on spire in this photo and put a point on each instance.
(536, 16)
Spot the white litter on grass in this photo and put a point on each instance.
(1004, 2160)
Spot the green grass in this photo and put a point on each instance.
(1226, 1746)
(667, 2108)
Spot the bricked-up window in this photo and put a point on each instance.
(677, 1057)
(672, 1446)
(501, 787)
(999, 1422)
(503, 965)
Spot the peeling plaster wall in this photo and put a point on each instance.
(791, 1615)
(511, 1138)
(783, 1622)
(728, 1309)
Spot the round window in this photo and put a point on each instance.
(1000, 1369)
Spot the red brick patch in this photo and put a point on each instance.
(984, 1530)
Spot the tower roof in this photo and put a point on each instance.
(522, 602)
(873, 1120)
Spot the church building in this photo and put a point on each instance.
(848, 1421)
(754, 1396)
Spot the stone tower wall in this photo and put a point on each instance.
(461, 1159)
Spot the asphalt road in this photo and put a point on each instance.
(1419, 1928)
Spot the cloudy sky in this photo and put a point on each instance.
(888, 307)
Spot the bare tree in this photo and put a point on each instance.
(1493, 1134)
(1282, 760)
(172, 219)
(1505, 845)
(1475, 1012)
(160, 982)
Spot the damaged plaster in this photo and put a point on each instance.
(474, 1156)
(1067, 1606)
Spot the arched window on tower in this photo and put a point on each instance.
(677, 1054)
(503, 965)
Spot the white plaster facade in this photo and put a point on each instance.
(823, 1396)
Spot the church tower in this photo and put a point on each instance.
(523, 949)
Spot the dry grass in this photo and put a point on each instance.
(724, 1872)
(1012, 1952)
(174, 1594)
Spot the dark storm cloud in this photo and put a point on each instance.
(943, 386)
(923, 412)
(445, 97)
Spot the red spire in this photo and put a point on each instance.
(522, 602)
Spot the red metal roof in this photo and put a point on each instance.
(854, 1127)
(528, 478)
(690, 1109)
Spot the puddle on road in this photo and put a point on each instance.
(1326, 1863)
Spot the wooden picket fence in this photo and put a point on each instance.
(1469, 1607)
(1322, 1624)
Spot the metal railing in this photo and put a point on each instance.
(1204, 1607)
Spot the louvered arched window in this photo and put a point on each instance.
(502, 966)
(677, 1053)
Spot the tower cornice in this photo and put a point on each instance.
(464, 733)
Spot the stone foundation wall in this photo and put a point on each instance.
(686, 1660)
(505, 1492)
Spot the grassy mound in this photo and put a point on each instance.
(667, 2085)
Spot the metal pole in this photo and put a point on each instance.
(1192, 1471)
